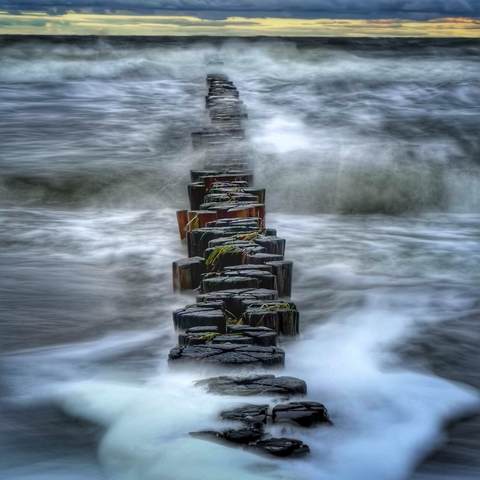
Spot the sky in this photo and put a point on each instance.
(371, 18)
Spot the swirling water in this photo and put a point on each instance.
(369, 152)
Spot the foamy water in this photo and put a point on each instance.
(371, 151)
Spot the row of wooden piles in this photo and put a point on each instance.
(236, 264)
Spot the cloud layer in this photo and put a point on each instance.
(116, 24)
(222, 9)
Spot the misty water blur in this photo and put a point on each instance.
(369, 153)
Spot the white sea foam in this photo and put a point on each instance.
(385, 421)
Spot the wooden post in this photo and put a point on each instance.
(284, 273)
(273, 245)
(182, 221)
(204, 217)
(187, 273)
(225, 282)
(263, 258)
(196, 195)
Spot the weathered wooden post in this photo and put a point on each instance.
(182, 220)
(187, 273)
(283, 270)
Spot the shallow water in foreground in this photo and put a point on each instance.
(378, 154)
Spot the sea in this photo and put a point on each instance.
(369, 152)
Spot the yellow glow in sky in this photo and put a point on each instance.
(115, 24)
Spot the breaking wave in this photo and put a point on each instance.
(384, 126)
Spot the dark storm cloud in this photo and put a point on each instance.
(221, 9)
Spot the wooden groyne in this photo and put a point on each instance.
(243, 307)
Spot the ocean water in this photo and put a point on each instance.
(369, 153)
